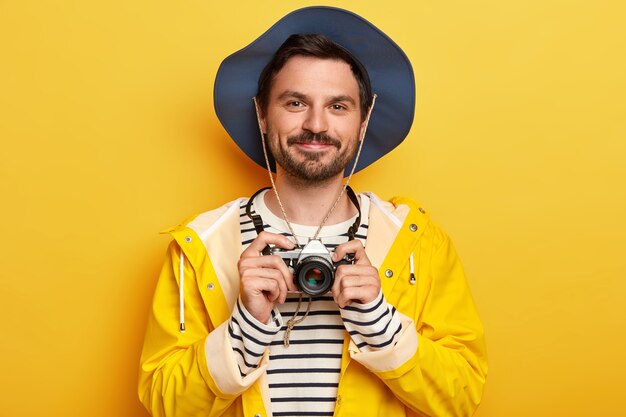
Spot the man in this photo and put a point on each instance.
(306, 299)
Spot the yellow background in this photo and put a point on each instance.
(108, 135)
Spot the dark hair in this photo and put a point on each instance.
(318, 46)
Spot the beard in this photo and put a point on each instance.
(311, 169)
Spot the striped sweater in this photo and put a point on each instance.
(303, 377)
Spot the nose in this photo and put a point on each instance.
(315, 121)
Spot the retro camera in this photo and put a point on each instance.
(314, 270)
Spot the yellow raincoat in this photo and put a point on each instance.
(437, 368)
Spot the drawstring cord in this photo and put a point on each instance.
(181, 291)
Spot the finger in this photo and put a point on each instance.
(349, 277)
(268, 261)
(336, 288)
(273, 262)
(367, 274)
(355, 281)
(252, 278)
(354, 247)
(362, 295)
(260, 286)
(356, 269)
(266, 238)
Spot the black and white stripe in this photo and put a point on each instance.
(250, 338)
(372, 326)
(304, 377)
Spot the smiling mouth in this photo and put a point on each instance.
(314, 145)
(310, 141)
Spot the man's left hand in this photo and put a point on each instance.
(358, 282)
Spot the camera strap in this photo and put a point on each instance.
(355, 226)
(257, 221)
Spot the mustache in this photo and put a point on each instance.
(308, 137)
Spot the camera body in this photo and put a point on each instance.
(313, 267)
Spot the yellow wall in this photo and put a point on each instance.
(108, 135)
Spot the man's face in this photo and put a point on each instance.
(313, 118)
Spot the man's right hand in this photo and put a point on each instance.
(265, 280)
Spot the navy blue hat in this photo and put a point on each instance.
(389, 70)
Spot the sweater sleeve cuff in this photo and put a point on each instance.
(372, 326)
(222, 363)
(236, 351)
(244, 324)
(393, 357)
(250, 338)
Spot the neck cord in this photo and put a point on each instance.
(293, 321)
(345, 186)
(267, 164)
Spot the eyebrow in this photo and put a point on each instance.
(294, 94)
(345, 98)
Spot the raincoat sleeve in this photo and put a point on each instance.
(175, 377)
(439, 365)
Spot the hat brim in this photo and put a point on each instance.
(388, 67)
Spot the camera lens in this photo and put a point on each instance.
(314, 275)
